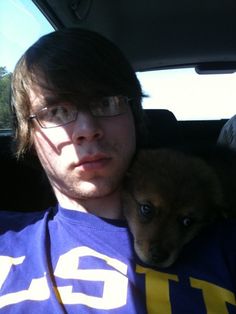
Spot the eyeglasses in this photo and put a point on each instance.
(64, 113)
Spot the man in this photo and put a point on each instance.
(77, 105)
(76, 79)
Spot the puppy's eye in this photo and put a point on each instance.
(146, 210)
(186, 221)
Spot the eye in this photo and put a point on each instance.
(56, 115)
(49, 113)
(109, 106)
(186, 221)
(146, 210)
(59, 111)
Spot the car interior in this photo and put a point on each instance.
(154, 35)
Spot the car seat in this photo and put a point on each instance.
(162, 129)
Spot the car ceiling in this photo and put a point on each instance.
(157, 33)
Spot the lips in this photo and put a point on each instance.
(93, 162)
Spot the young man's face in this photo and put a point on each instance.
(87, 158)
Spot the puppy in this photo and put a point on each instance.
(168, 197)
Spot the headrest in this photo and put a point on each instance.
(162, 129)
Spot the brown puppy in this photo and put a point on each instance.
(168, 198)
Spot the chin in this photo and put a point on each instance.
(89, 190)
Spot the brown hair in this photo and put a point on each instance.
(72, 63)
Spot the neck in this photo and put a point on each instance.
(108, 206)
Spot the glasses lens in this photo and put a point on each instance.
(109, 106)
(61, 114)
(56, 115)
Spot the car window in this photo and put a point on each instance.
(189, 95)
(21, 24)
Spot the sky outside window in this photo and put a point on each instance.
(21, 24)
(188, 95)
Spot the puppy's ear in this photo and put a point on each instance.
(135, 170)
(224, 211)
(128, 181)
(218, 212)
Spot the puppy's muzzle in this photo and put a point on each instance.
(158, 255)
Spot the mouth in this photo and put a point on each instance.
(163, 263)
(156, 258)
(93, 162)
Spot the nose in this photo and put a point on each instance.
(86, 128)
(158, 254)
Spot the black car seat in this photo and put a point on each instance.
(162, 129)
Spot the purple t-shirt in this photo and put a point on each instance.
(64, 261)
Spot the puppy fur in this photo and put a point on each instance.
(168, 197)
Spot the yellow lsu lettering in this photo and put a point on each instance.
(214, 296)
(157, 303)
(158, 299)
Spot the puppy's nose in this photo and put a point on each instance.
(159, 255)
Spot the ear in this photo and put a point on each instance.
(224, 211)
(219, 212)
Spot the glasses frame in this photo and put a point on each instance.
(35, 115)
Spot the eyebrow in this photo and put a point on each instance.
(51, 100)
(46, 101)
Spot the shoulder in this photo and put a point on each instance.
(15, 221)
(231, 121)
(228, 132)
(227, 230)
(224, 230)
(230, 125)
(214, 240)
(221, 238)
